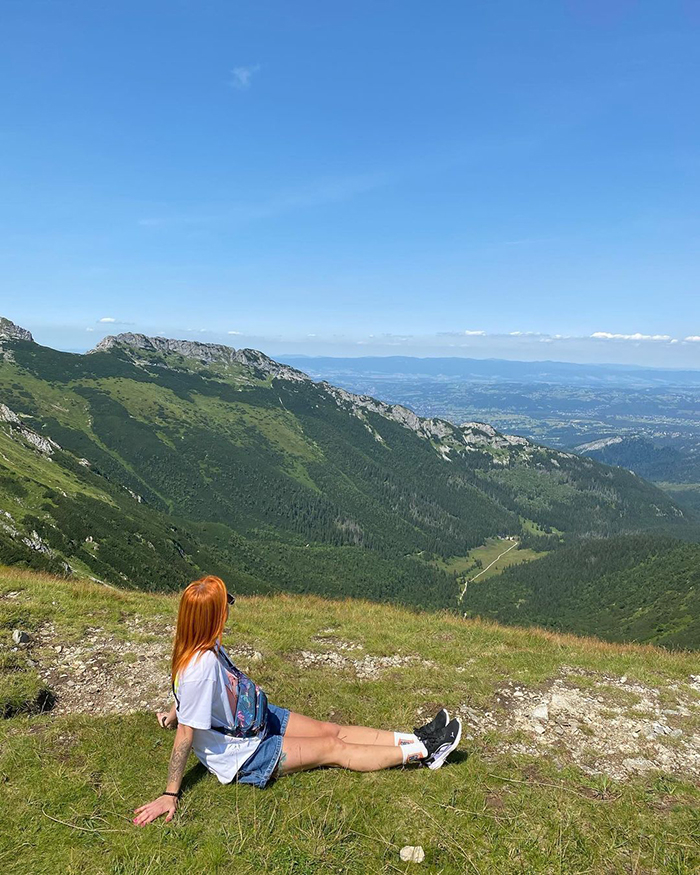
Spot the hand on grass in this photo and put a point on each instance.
(162, 805)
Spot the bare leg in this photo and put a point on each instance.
(300, 754)
(306, 727)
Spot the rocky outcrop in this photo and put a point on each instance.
(205, 353)
(601, 444)
(606, 725)
(482, 434)
(446, 436)
(10, 331)
(43, 444)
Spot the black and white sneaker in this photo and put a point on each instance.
(435, 727)
(441, 745)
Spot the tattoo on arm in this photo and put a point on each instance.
(280, 763)
(178, 761)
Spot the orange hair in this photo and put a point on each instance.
(200, 620)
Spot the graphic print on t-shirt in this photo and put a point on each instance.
(231, 685)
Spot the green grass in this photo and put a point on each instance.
(68, 783)
(488, 553)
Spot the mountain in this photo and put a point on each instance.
(620, 589)
(651, 459)
(149, 460)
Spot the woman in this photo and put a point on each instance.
(239, 736)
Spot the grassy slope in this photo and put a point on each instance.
(488, 811)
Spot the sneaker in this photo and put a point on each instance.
(435, 727)
(441, 745)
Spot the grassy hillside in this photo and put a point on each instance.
(150, 461)
(642, 588)
(595, 787)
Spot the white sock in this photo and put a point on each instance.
(404, 738)
(413, 752)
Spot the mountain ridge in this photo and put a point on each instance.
(209, 353)
(142, 467)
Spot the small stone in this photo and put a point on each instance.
(58, 648)
(541, 712)
(20, 637)
(412, 854)
(623, 679)
(538, 728)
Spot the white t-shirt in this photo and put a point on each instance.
(206, 691)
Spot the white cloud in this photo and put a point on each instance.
(607, 335)
(89, 329)
(234, 332)
(475, 333)
(241, 76)
(693, 338)
(107, 319)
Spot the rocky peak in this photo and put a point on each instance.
(10, 331)
(206, 353)
(191, 349)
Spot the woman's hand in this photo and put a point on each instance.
(166, 719)
(162, 805)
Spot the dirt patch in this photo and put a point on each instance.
(367, 668)
(103, 674)
(336, 643)
(612, 726)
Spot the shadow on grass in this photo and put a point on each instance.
(193, 777)
(457, 757)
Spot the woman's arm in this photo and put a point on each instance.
(178, 760)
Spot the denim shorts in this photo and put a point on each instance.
(260, 767)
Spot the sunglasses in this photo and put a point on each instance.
(230, 599)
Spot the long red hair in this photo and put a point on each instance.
(200, 620)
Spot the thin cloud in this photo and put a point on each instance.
(110, 320)
(234, 332)
(607, 335)
(241, 76)
(693, 338)
(317, 193)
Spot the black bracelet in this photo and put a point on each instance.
(177, 795)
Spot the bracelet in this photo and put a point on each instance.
(177, 795)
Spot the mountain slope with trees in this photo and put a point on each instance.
(634, 588)
(151, 460)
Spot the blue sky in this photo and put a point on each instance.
(470, 178)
